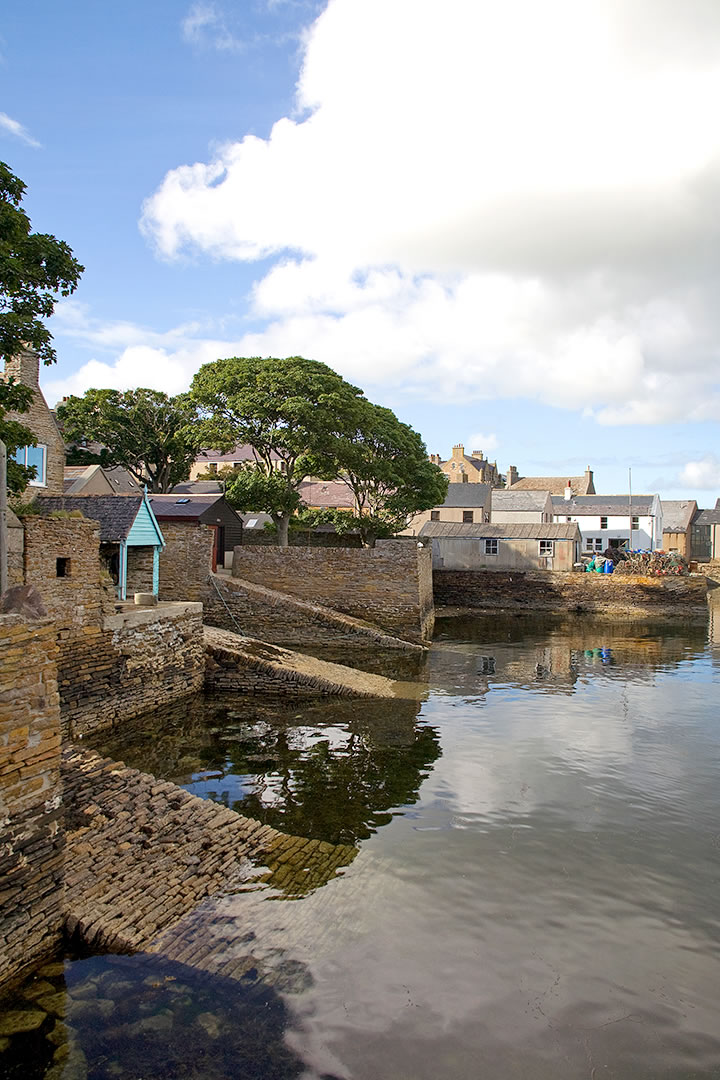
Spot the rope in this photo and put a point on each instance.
(217, 590)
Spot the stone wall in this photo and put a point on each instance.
(16, 550)
(62, 561)
(139, 570)
(600, 594)
(389, 585)
(25, 369)
(246, 608)
(185, 561)
(31, 844)
(135, 660)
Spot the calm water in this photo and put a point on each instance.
(536, 894)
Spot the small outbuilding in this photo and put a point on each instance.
(482, 546)
(180, 511)
(130, 537)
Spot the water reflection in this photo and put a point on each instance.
(328, 771)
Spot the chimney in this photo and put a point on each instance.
(512, 475)
(25, 367)
(568, 492)
(458, 452)
(477, 454)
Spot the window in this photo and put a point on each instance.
(598, 543)
(434, 515)
(603, 523)
(62, 568)
(547, 548)
(491, 547)
(33, 455)
(636, 523)
(467, 517)
(589, 543)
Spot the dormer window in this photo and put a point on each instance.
(37, 456)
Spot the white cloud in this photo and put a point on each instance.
(486, 443)
(205, 25)
(514, 199)
(703, 474)
(14, 127)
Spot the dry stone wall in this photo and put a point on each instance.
(138, 658)
(62, 561)
(389, 585)
(31, 842)
(597, 594)
(185, 561)
(139, 570)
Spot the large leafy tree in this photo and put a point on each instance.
(153, 436)
(35, 271)
(385, 464)
(293, 412)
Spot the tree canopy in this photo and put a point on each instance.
(385, 464)
(36, 270)
(151, 435)
(293, 412)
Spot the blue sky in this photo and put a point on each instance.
(499, 220)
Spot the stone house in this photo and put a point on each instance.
(473, 468)
(178, 513)
(521, 507)
(212, 461)
(464, 502)
(130, 538)
(48, 456)
(615, 520)
(488, 546)
(677, 519)
(556, 485)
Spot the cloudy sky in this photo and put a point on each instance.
(498, 219)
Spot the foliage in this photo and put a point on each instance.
(293, 412)
(14, 397)
(151, 435)
(36, 270)
(252, 489)
(385, 464)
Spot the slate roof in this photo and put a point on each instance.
(477, 495)
(510, 531)
(605, 505)
(333, 494)
(116, 513)
(523, 501)
(581, 485)
(243, 452)
(707, 517)
(178, 505)
(677, 515)
(199, 487)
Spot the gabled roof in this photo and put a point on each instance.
(477, 495)
(707, 517)
(115, 513)
(244, 452)
(581, 485)
(178, 505)
(519, 500)
(677, 515)
(511, 531)
(605, 505)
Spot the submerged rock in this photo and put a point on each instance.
(17, 1020)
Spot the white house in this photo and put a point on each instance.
(613, 520)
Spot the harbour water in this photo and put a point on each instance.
(535, 893)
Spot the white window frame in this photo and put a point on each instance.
(492, 546)
(21, 456)
(546, 549)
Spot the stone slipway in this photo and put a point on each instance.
(142, 854)
(249, 666)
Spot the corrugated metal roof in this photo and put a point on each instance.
(605, 505)
(519, 500)
(477, 495)
(115, 513)
(510, 531)
(677, 515)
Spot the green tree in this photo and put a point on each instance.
(293, 413)
(153, 436)
(35, 271)
(385, 464)
(16, 398)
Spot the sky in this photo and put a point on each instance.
(499, 220)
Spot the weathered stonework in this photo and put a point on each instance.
(16, 550)
(592, 594)
(31, 842)
(139, 570)
(247, 608)
(389, 585)
(137, 658)
(25, 369)
(185, 561)
(62, 561)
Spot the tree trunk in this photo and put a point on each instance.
(282, 522)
